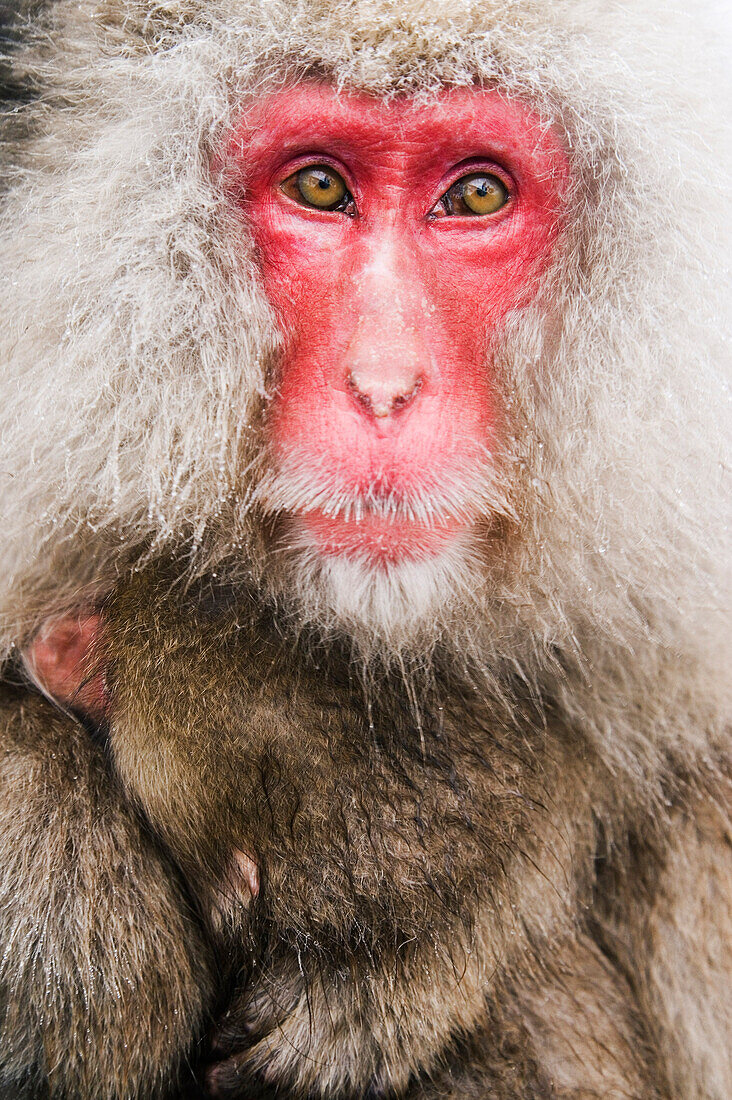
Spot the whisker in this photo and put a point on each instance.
(462, 497)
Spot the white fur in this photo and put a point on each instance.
(136, 346)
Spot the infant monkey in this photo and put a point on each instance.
(411, 896)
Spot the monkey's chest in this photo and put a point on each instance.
(372, 820)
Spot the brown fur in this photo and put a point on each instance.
(428, 857)
(487, 797)
(104, 974)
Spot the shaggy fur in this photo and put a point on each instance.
(129, 404)
(95, 925)
(137, 356)
(423, 856)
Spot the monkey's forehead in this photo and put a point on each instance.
(384, 46)
(453, 121)
(207, 55)
(384, 38)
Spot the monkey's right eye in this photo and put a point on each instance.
(320, 186)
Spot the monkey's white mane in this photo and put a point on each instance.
(136, 344)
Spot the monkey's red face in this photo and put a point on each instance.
(393, 240)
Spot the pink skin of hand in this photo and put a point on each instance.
(66, 661)
(389, 309)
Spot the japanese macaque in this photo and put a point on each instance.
(364, 700)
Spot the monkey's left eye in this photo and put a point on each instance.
(478, 194)
(320, 186)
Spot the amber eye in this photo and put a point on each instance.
(479, 193)
(320, 186)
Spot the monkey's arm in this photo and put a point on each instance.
(671, 928)
(563, 1025)
(103, 978)
(690, 968)
(666, 926)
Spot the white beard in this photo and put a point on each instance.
(389, 607)
(386, 608)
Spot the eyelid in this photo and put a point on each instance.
(466, 167)
(311, 160)
(473, 166)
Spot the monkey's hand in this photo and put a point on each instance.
(569, 1030)
(103, 977)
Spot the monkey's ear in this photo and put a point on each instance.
(66, 661)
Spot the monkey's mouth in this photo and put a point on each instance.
(377, 537)
(385, 520)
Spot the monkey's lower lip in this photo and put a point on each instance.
(381, 539)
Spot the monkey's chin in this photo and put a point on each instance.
(387, 596)
(379, 540)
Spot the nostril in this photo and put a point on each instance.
(403, 399)
(381, 399)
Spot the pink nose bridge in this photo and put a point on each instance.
(387, 357)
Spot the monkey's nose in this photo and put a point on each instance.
(381, 397)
